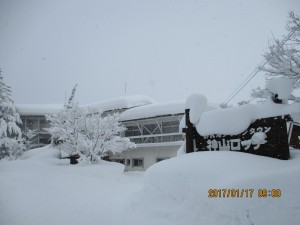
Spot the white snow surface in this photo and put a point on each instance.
(123, 102)
(282, 86)
(153, 110)
(179, 189)
(225, 121)
(235, 120)
(38, 109)
(42, 189)
(258, 138)
(197, 104)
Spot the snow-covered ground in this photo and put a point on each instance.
(42, 189)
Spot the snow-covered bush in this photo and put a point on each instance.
(84, 132)
(11, 142)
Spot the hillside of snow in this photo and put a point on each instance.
(42, 189)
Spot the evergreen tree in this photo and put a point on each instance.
(11, 142)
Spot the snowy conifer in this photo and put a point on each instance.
(11, 142)
(85, 132)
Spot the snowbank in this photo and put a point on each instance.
(179, 188)
(42, 189)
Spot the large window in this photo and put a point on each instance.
(132, 131)
(32, 124)
(154, 130)
(151, 129)
(170, 127)
(168, 138)
(137, 162)
(44, 124)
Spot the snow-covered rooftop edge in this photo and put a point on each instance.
(123, 102)
(157, 109)
(153, 110)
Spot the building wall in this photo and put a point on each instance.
(150, 155)
(157, 139)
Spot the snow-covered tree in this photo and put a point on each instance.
(283, 60)
(11, 142)
(29, 136)
(84, 132)
(65, 126)
(283, 57)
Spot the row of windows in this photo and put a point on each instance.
(135, 162)
(166, 127)
(39, 124)
(157, 139)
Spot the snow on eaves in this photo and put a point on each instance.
(153, 110)
(124, 102)
(38, 109)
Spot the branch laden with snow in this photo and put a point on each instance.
(86, 133)
(283, 57)
(11, 141)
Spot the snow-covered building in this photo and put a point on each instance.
(154, 128)
(33, 116)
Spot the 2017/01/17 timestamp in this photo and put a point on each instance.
(243, 193)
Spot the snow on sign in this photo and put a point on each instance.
(232, 129)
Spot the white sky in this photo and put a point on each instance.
(160, 48)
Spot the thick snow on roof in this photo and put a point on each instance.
(153, 110)
(124, 102)
(235, 120)
(38, 109)
(117, 103)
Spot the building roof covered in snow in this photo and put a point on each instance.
(38, 109)
(124, 102)
(153, 110)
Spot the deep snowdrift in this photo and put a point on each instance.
(42, 189)
(179, 188)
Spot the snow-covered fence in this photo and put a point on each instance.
(267, 137)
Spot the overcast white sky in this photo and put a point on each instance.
(166, 49)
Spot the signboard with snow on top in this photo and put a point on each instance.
(258, 129)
